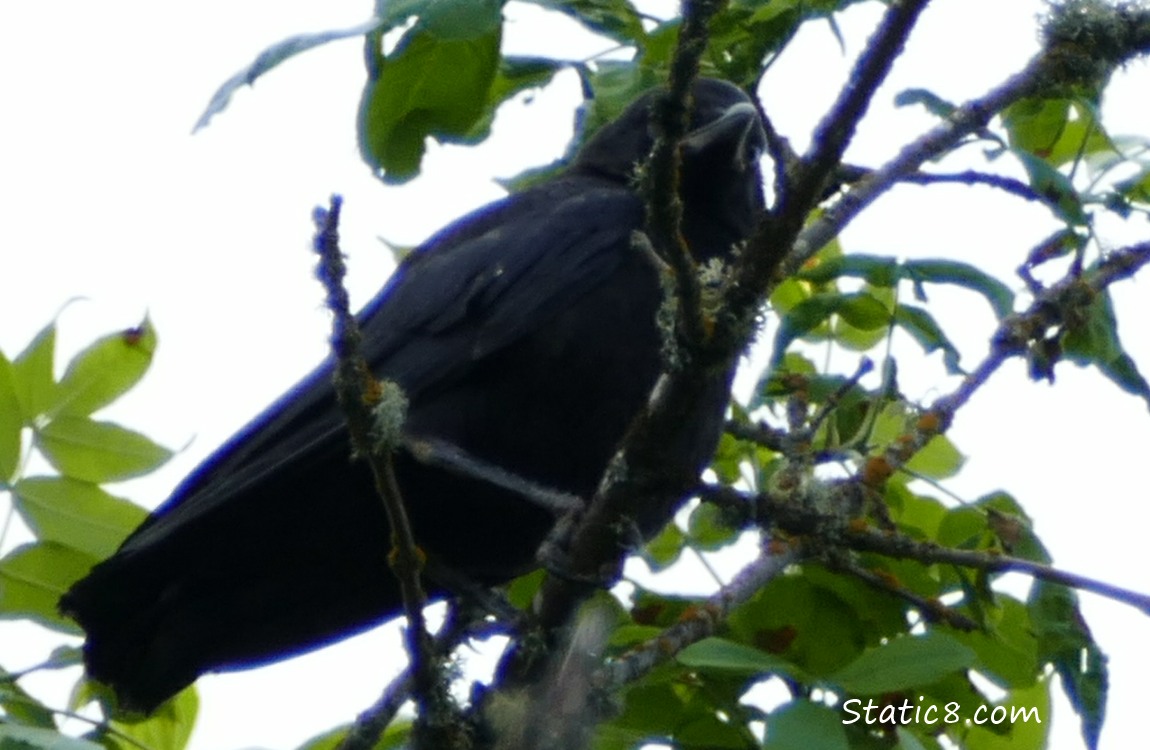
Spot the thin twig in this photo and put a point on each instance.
(1049, 309)
(1073, 47)
(371, 723)
(759, 433)
(865, 366)
(771, 251)
(444, 455)
(835, 131)
(969, 118)
(699, 621)
(931, 609)
(652, 471)
(973, 177)
(357, 391)
(661, 173)
(902, 547)
(799, 519)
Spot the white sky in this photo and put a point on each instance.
(108, 198)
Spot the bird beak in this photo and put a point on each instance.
(739, 125)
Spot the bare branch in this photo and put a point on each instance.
(838, 126)
(971, 177)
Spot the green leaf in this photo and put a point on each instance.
(18, 706)
(729, 458)
(18, 737)
(614, 85)
(938, 459)
(1020, 721)
(931, 101)
(1082, 137)
(435, 83)
(876, 270)
(665, 548)
(105, 370)
(859, 309)
(864, 311)
(1137, 186)
(1008, 650)
(1012, 527)
(11, 422)
(802, 724)
(904, 663)
(707, 528)
(32, 578)
(270, 58)
(1055, 188)
(1094, 341)
(626, 636)
(616, 19)
(908, 740)
(76, 514)
(964, 275)
(169, 727)
(964, 527)
(919, 515)
(1036, 125)
(722, 655)
(1065, 640)
(810, 625)
(33, 373)
(82, 448)
(923, 328)
(521, 591)
(876, 325)
(515, 74)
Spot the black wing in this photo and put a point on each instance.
(494, 277)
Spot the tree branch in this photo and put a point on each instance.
(361, 398)
(796, 517)
(1084, 41)
(834, 133)
(661, 172)
(902, 547)
(700, 621)
(761, 266)
(653, 469)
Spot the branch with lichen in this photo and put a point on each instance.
(791, 506)
(649, 471)
(1084, 41)
(369, 726)
(793, 513)
(1053, 308)
(373, 412)
(660, 184)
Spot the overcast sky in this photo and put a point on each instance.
(108, 200)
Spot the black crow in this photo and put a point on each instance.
(525, 334)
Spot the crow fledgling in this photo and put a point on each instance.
(524, 333)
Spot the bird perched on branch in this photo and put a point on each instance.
(524, 334)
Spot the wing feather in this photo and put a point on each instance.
(493, 278)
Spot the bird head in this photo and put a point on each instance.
(720, 183)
